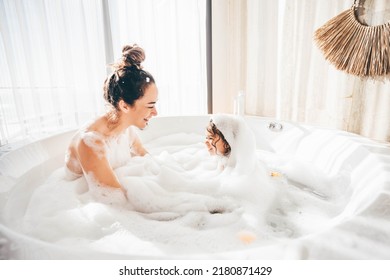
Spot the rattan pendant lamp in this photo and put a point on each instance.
(354, 47)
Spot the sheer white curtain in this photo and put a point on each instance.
(54, 56)
(283, 73)
(52, 66)
(173, 34)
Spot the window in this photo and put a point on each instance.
(54, 57)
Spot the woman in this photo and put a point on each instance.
(108, 142)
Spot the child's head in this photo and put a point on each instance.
(230, 137)
(215, 141)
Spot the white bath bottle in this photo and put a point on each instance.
(239, 103)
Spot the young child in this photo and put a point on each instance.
(230, 138)
(243, 175)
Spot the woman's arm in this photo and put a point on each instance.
(95, 165)
(137, 147)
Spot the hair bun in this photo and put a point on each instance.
(133, 55)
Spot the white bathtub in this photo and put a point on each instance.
(360, 229)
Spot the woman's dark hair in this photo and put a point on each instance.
(128, 82)
(213, 130)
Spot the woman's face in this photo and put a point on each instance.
(145, 107)
(214, 143)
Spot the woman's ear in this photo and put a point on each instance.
(123, 106)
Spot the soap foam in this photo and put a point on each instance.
(178, 202)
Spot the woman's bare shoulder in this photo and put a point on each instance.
(88, 138)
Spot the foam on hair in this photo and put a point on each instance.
(241, 139)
